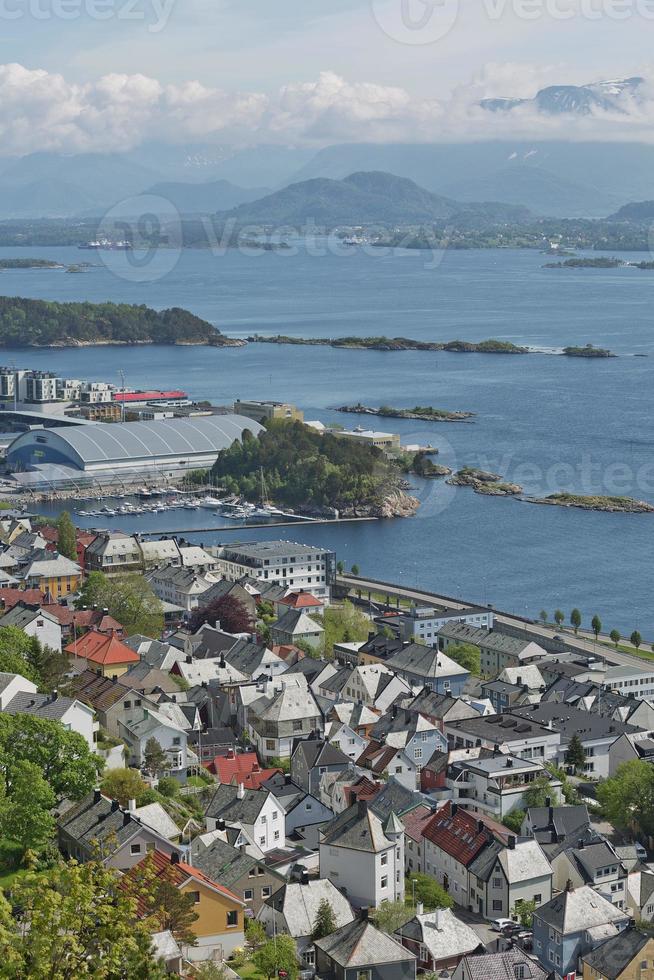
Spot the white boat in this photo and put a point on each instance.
(209, 502)
(83, 513)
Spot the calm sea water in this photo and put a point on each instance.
(546, 422)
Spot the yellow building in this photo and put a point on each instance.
(53, 574)
(262, 411)
(219, 926)
(627, 956)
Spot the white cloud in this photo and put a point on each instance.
(40, 110)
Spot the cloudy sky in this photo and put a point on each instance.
(98, 74)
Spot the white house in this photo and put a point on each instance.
(258, 812)
(11, 684)
(171, 737)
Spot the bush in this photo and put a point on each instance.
(168, 786)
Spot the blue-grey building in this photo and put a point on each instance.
(572, 923)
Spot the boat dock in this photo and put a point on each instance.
(248, 527)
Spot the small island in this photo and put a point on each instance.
(622, 505)
(598, 262)
(588, 351)
(29, 264)
(481, 481)
(421, 413)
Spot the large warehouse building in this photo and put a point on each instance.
(102, 453)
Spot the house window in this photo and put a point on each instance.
(497, 882)
(248, 894)
(270, 743)
(195, 896)
(550, 956)
(384, 882)
(177, 740)
(232, 918)
(423, 954)
(264, 820)
(135, 848)
(276, 835)
(497, 905)
(384, 858)
(364, 974)
(262, 840)
(266, 891)
(275, 814)
(417, 753)
(538, 899)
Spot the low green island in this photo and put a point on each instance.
(589, 350)
(40, 323)
(492, 346)
(484, 482)
(597, 262)
(421, 413)
(29, 264)
(622, 505)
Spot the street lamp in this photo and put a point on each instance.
(413, 889)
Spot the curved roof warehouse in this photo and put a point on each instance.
(166, 448)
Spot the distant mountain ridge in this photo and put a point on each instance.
(364, 198)
(607, 96)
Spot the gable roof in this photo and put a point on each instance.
(357, 828)
(361, 944)
(458, 833)
(612, 957)
(301, 600)
(179, 873)
(502, 966)
(298, 902)
(102, 649)
(444, 935)
(226, 804)
(578, 909)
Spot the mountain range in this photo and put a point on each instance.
(607, 96)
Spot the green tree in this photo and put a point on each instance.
(559, 616)
(627, 798)
(62, 757)
(635, 639)
(255, 933)
(524, 912)
(66, 538)
(575, 756)
(25, 814)
(544, 615)
(325, 922)
(466, 655)
(129, 599)
(355, 569)
(575, 620)
(15, 648)
(155, 759)
(538, 792)
(596, 625)
(615, 637)
(277, 954)
(51, 666)
(429, 892)
(75, 921)
(513, 820)
(123, 785)
(168, 786)
(340, 567)
(343, 624)
(389, 916)
(161, 900)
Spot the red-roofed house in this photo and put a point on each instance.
(305, 601)
(220, 913)
(240, 767)
(105, 655)
(29, 597)
(415, 822)
(453, 839)
(83, 538)
(75, 622)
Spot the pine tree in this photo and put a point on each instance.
(575, 756)
(67, 539)
(325, 921)
(154, 757)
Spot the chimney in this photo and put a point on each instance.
(362, 807)
(189, 659)
(127, 816)
(115, 805)
(220, 824)
(480, 826)
(97, 795)
(304, 877)
(511, 842)
(131, 805)
(548, 803)
(230, 753)
(518, 680)
(439, 918)
(174, 858)
(363, 913)
(420, 908)
(581, 845)
(453, 809)
(240, 792)
(568, 885)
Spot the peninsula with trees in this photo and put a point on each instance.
(622, 505)
(41, 323)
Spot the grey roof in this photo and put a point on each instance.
(444, 935)
(42, 705)
(296, 621)
(485, 638)
(548, 824)
(269, 549)
(499, 728)
(222, 862)
(317, 752)
(569, 721)
(395, 797)
(226, 805)
(91, 821)
(590, 857)
(502, 966)
(299, 905)
(360, 944)
(615, 955)
(137, 440)
(579, 909)
(415, 658)
(357, 828)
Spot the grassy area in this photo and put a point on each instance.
(248, 971)
(382, 598)
(642, 653)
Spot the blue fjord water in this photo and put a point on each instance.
(544, 421)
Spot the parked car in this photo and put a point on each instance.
(641, 853)
(497, 925)
(512, 929)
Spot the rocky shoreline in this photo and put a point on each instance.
(481, 481)
(420, 414)
(611, 505)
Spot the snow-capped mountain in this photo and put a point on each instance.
(605, 96)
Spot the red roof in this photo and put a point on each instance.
(102, 649)
(254, 779)
(146, 396)
(178, 873)
(457, 834)
(83, 619)
(415, 821)
(11, 597)
(301, 600)
(226, 767)
(285, 650)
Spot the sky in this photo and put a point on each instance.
(81, 75)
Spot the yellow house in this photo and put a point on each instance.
(219, 925)
(53, 574)
(627, 956)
